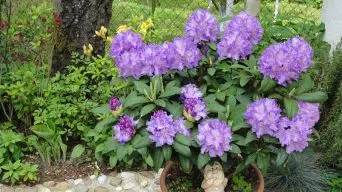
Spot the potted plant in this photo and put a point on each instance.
(208, 97)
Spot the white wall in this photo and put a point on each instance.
(332, 17)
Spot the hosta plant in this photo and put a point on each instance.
(207, 96)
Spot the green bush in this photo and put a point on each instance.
(329, 140)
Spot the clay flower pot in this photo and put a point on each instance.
(170, 164)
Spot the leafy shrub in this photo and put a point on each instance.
(12, 148)
(239, 184)
(301, 172)
(330, 134)
(18, 171)
(223, 86)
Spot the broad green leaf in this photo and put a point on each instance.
(149, 160)
(77, 151)
(267, 84)
(170, 92)
(104, 109)
(140, 141)
(305, 84)
(185, 163)
(251, 158)
(211, 71)
(215, 107)
(314, 97)
(142, 87)
(122, 151)
(147, 109)
(110, 145)
(263, 161)
(281, 157)
(250, 137)
(224, 157)
(221, 96)
(182, 149)
(183, 139)
(231, 101)
(202, 160)
(112, 161)
(43, 131)
(167, 152)
(235, 149)
(158, 158)
(244, 80)
(133, 100)
(100, 126)
(160, 102)
(291, 107)
(243, 99)
(175, 109)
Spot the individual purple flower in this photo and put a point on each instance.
(214, 137)
(285, 61)
(294, 134)
(173, 59)
(130, 64)
(195, 109)
(187, 53)
(202, 26)
(301, 53)
(161, 127)
(190, 91)
(246, 26)
(125, 42)
(263, 115)
(114, 104)
(180, 128)
(154, 60)
(234, 46)
(125, 129)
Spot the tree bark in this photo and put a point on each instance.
(80, 19)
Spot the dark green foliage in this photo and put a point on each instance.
(329, 140)
(301, 173)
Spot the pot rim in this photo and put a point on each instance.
(169, 164)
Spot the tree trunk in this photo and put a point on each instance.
(80, 19)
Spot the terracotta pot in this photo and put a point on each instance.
(169, 164)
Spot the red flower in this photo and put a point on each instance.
(58, 18)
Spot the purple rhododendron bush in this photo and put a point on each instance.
(210, 96)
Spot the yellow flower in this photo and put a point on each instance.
(102, 33)
(146, 25)
(87, 50)
(122, 28)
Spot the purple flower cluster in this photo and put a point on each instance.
(190, 91)
(285, 61)
(114, 104)
(125, 42)
(264, 115)
(241, 34)
(125, 129)
(214, 136)
(294, 134)
(202, 27)
(163, 128)
(194, 106)
(136, 59)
